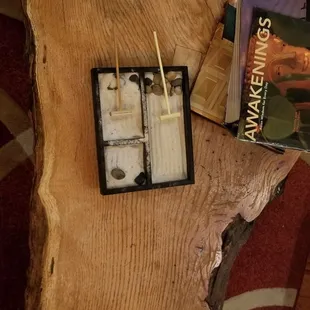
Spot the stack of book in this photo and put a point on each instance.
(255, 79)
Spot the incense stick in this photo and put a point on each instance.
(118, 84)
(162, 72)
(119, 103)
(168, 115)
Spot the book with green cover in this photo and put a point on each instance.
(275, 104)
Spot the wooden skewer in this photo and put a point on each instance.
(119, 103)
(169, 115)
(162, 72)
(118, 83)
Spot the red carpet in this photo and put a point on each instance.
(274, 257)
(276, 252)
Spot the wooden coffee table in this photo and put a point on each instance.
(145, 250)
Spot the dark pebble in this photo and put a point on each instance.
(148, 82)
(118, 174)
(176, 82)
(134, 78)
(140, 179)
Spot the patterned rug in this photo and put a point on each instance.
(16, 166)
(267, 273)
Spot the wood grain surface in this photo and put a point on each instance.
(192, 59)
(143, 250)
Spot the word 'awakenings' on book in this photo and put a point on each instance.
(275, 104)
(296, 8)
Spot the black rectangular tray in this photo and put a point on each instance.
(101, 144)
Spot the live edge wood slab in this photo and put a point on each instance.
(142, 250)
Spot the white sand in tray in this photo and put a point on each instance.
(129, 159)
(121, 127)
(167, 140)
